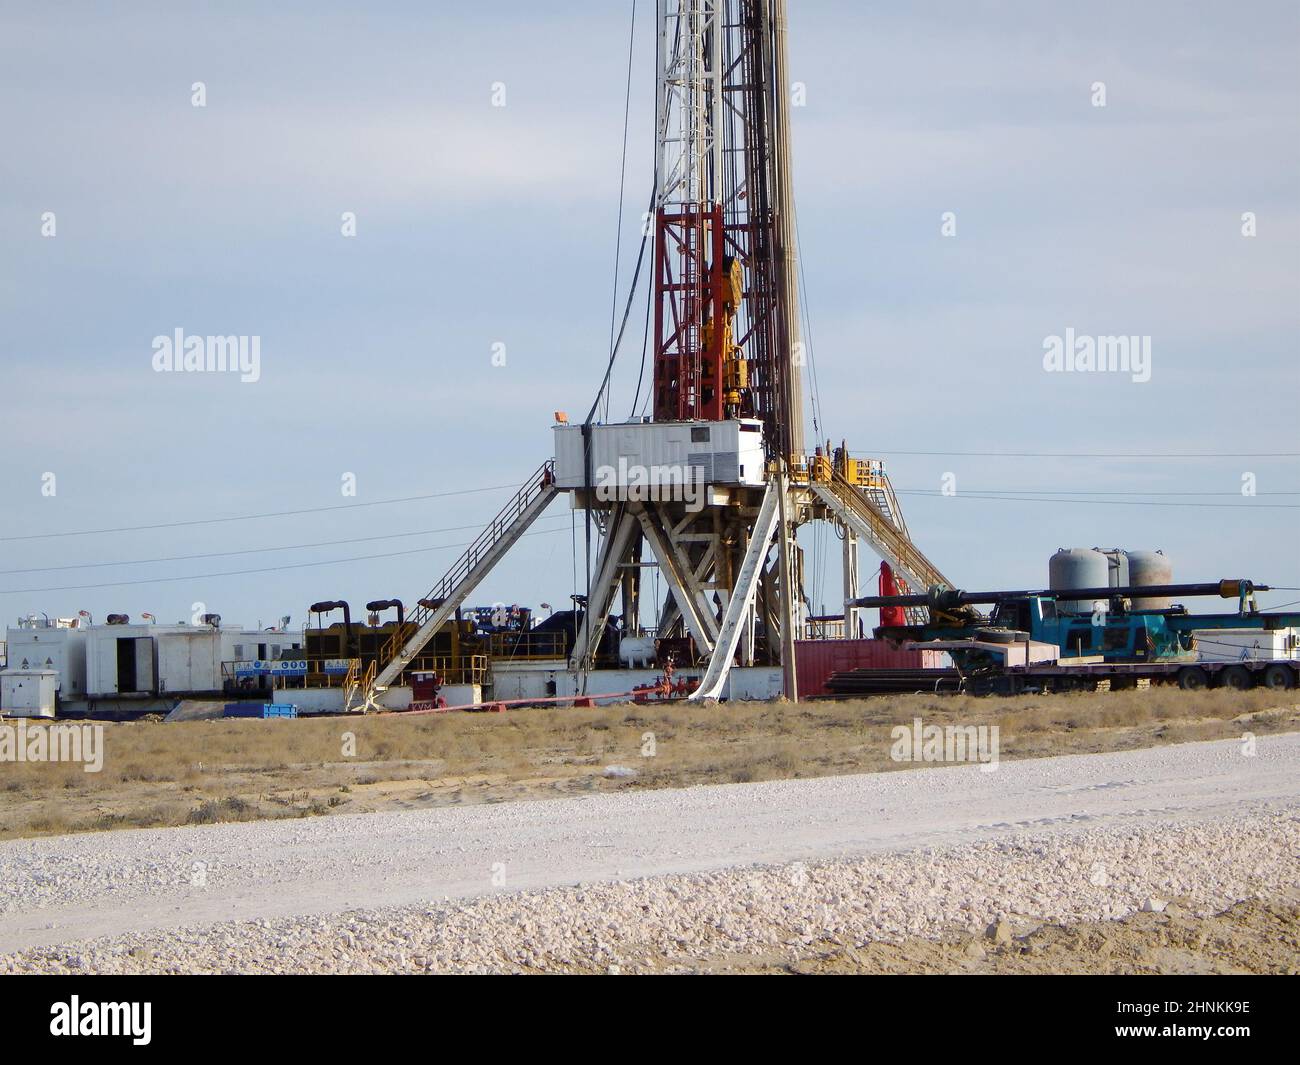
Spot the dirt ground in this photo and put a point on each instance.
(195, 772)
(1251, 937)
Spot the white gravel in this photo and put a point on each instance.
(1062, 838)
(655, 924)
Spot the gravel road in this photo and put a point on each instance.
(1122, 812)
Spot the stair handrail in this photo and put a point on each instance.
(543, 476)
(908, 554)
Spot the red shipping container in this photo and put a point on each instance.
(816, 660)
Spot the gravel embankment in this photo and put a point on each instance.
(70, 888)
(665, 874)
(660, 923)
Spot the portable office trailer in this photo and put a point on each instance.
(1247, 645)
(28, 692)
(139, 660)
(62, 650)
(659, 458)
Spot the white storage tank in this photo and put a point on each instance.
(1117, 558)
(1147, 568)
(28, 692)
(1077, 567)
(636, 651)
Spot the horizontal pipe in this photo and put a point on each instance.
(953, 597)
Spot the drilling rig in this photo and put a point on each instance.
(712, 486)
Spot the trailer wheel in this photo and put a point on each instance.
(1236, 677)
(1001, 635)
(1278, 676)
(1193, 678)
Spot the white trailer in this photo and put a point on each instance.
(660, 460)
(133, 661)
(51, 647)
(28, 692)
(1247, 645)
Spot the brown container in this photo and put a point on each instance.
(816, 660)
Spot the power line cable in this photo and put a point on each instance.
(815, 386)
(1099, 454)
(251, 550)
(254, 517)
(1085, 492)
(244, 572)
(1102, 502)
(622, 184)
(645, 344)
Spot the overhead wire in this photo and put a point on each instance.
(622, 183)
(243, 572)
(1098, 454)
(617, 340)
(1098, 492)
(814, 385)
(248, 550)
(254, 517)
(936, 493)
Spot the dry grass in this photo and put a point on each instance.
(200, 772)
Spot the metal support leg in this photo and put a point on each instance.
(789, 593)
(850, 583)
(609, 574)
(742, 598)
(702, 628)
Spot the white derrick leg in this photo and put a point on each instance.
(850, 583)
(609, 578)
(742, 598)
(701, 627)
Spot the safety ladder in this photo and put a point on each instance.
(487, 549)
(873, 513)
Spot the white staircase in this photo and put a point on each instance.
(486, 551)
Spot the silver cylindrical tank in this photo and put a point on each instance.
(636, 651)
(1117, 559)
(1146, 568)
(1077, 567)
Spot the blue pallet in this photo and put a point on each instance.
(262, 710)
(280, 710)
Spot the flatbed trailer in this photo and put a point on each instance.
(1278, 674)
(1044, 677)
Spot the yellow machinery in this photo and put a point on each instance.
(455, 652)
(735, 370)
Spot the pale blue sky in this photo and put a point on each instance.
(479, 225)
